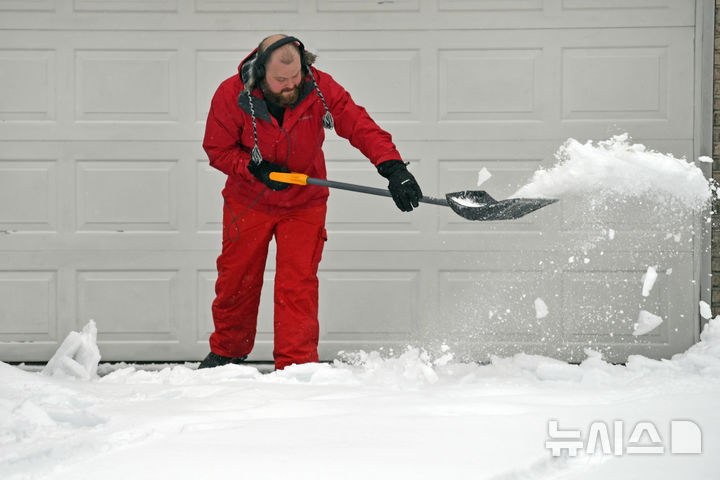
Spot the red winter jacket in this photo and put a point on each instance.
(297, 144)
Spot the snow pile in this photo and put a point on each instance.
(367, 415)
(180, 375)
(703, 358)
(38, 414)
(78, 355)
(416, 367)
(617, 167)
(412, 368)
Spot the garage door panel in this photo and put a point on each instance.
(127, 196)
(604, 306)
(28, 84)
(467, 91)
(129, 305)
(491, 5)
(361, 6)
(615, 83)
(29, 306)
(492, 305)
(602, 303)
(246, 6)
(615, 5)
(28, 195)
(126, 85)
(370, 305)
(125, 6)
(27, 5)
(638, 85)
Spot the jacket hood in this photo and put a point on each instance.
(245, 69)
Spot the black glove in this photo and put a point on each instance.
(262, 171)
(404, 189)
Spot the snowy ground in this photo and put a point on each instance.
(416, 415)
(412, 416)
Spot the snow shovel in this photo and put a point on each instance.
(470, 204)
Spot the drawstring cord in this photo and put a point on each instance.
(328, 121)
(255, 155)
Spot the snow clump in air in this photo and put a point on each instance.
(619, 167)
(646, 323)
(649, 280)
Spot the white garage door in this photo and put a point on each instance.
(109, 210)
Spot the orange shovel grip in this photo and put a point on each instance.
(294, 178)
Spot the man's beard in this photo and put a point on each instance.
(283, 98)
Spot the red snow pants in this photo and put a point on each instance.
(300, 236)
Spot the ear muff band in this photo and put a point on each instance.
(262, 59)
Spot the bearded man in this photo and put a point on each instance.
(270, 118)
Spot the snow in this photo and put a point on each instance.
(541, 308)
(705, 311)
(649, 280)
(466, 201)
(483, 176)
(619, 168)
(419, 415)
(78, 355)
(646, 323)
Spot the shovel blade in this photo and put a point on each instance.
(480, 206)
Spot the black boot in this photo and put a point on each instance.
(214, 360)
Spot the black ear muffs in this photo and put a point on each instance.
(262, 59)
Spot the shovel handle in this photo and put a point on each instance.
(294, 178)
(302, 179)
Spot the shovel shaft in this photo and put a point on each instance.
(382, 192)
(302, 179)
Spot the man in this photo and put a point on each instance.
(270, 118)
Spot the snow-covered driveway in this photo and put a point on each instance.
(414, 416)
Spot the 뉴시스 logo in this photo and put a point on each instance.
(684, 437)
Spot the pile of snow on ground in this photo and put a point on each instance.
(78, 355)
(364, 416)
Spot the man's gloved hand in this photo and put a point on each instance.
(262, 170)
(404, 189)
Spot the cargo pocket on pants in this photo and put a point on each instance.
(317, 254)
